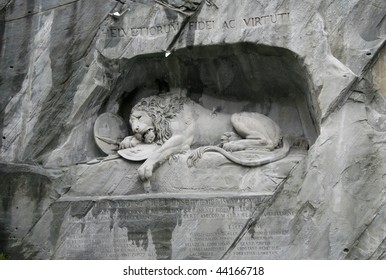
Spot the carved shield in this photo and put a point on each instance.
(109, 131)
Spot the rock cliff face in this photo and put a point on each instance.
(317, 68)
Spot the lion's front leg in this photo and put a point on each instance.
(175, 144)
(145, 171)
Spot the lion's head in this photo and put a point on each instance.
(161, 109)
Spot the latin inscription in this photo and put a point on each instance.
(263, 244)
(128, 230)
(197, 25)
(266, 19)
(266, 243)
(143, 31)
(217, 224)
(201, 25)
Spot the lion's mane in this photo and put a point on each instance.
(162, 108)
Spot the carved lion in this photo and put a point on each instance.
(177, 124)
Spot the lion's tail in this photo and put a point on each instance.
(277, 155)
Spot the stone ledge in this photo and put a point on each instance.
(193, 196)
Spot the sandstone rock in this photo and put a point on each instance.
(317, 68)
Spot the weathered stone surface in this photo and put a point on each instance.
(146, 227)
(317, 68)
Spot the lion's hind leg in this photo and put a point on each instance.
(258, 131)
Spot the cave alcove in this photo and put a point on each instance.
(227, 78)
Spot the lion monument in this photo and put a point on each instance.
(177, 124)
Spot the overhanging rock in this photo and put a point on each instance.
(205, 83)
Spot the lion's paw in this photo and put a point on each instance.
(145, 171)
(233, 147)
(173, 158)
(128, 142)
(229, 137)
(147, 186)
(194, 157)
